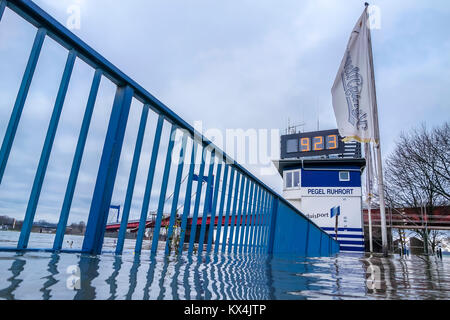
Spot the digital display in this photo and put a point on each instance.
(332, 142)
(305, 145)
(311, 144)
(318, 143)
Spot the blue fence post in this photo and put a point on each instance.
(269, 221)
(132, 180)
(269, 218)
(221, 208)
(20, 100)
(101, 200)
(187, 198)
(260, 222)
(68, 197)
(214, 207)
(241, 216)
(176, 193)
(162, 194)
(263, 224)
(197, 200)
(247, 213)
(207, 206)
(252, 219)
(234, 235)
(2, 8)
(149, 185)
(46, 151)
(273, 223)
(239, 181)
(255, 220)
(228, 210)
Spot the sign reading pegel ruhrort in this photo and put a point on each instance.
(330, 192)
(311, 144)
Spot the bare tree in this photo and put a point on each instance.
(418, 173)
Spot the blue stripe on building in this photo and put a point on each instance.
(352, 249)
(344, 229)
(348, 236)
(358, 243)
(329, 179)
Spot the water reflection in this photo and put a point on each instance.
(51, 280)
(112, 280)
(222, 277)
(16, 269)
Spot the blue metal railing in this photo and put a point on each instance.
(251, 217)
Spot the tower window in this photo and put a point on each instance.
(344, 176)
(292, 179)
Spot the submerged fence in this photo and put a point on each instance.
(251, 217)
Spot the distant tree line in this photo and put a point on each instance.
(73, 228)
(417, 173)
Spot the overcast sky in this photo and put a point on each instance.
(231, 64)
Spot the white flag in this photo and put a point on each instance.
(354, 97)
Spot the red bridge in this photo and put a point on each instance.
(411, 218)
(134, 225)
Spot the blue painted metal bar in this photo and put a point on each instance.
(187, 198)
(234, 234)
(221, 208)
(237, 194)
(260, 223)
(101, 200)
(257, 241)
(225, 228)
(241, 218)
(243, 245)
(251, 245)
(197, 202)
(132, 180)
(273, 224)
(149, 185)
(176, 193)
(207, 205)
(266, 223)
(20, 101)
(2, 8)
(214, 207)
(70, 190)
(250, 219)
(162, 194)
(45, 155)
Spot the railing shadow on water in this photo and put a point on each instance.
(161, 277)
(221, 277)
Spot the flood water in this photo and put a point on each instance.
(40, 275)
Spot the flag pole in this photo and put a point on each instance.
(378, 155)
(369, 159)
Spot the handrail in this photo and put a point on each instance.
(43, 21)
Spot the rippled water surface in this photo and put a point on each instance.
(39, 275)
